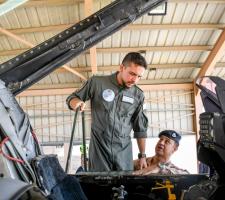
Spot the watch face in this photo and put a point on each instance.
(141, 155)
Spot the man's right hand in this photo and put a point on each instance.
(75, 103)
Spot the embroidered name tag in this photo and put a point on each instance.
(128, 99)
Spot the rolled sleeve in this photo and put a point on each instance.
(140, 122)
(69, 98)
(140, 134)
(84, 93)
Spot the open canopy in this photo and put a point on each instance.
(33, 65)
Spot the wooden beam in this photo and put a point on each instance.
(128, 49)
(199, 1)
(44, 3)
(164, 81)
(31, 45)
(62, 27)
(151, 66)
(42, 29)
(181, 86)
(196, 99)
(12, 52)
(214, 56)
(15, 37)
(65, 91)
(155, 82)
(36, 3)
(88, 5)
(173, 26)
(73, 71)
(47, 92)
(93, 60)
(55, 86)
(156, 48)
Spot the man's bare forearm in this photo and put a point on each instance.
(141, 155)
(141, 144)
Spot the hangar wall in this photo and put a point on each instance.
(52, 120)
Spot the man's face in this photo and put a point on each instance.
(131, 74)
(165, 147)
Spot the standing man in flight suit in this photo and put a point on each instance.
(116, 108)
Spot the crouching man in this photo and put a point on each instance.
(160, 163)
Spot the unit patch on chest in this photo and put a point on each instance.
(108, 95)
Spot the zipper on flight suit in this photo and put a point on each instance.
(113, 130)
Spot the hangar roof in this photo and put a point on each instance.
(187, 42)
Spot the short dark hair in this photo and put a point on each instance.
(136, 58)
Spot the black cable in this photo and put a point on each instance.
(71, 143)
(84, 142)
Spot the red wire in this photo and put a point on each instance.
(34, 136)
(7, 156)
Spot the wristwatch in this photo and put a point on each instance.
(141, 155)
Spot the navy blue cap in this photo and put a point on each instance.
(173, 135)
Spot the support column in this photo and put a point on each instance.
(198, 110)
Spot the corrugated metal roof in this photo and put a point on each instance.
(176, 45)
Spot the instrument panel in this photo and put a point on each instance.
(111, 185)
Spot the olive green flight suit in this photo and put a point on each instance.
(115, 112)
